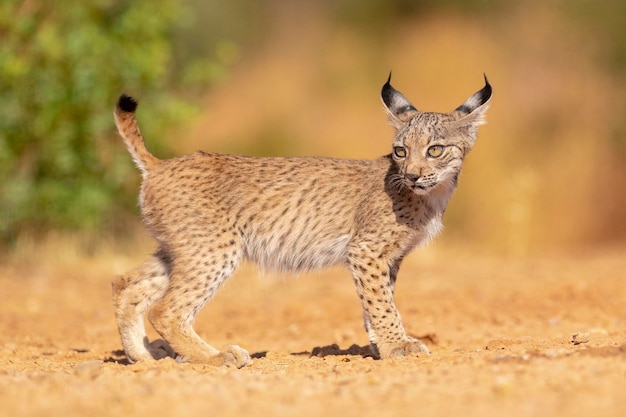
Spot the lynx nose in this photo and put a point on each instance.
(412, 177)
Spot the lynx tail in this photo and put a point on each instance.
(129, 130)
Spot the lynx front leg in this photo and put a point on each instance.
(374, 281)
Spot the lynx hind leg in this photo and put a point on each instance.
(192, 284)
(133, 293)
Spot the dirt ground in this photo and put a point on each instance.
(509, 337)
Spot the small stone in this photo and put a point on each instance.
(579, 338)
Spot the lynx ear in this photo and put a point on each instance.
(399, 109)
(471, 114)
(478, 102)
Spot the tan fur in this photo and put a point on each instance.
(209, 211)
(129, 129)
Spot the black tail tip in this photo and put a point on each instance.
(127, 103)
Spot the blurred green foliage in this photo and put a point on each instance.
(62, 66)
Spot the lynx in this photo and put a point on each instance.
(208, 212)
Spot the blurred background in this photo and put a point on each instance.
(547, 173)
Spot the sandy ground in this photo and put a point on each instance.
(509, 337)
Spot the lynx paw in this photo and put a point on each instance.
(407, 348)
(235, 356)
(231, 355)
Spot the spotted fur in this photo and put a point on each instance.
(209, 211)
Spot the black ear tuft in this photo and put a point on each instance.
(127, 103)
(486, 91)
(387, 91)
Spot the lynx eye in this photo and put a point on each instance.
(399, 151)
(435, 151)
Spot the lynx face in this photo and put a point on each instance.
(429, 147)
(426, 154)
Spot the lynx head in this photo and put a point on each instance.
(429, 148)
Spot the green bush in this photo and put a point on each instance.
(62, 67)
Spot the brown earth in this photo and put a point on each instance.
(509, 337)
